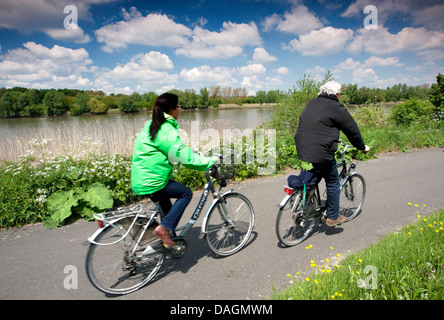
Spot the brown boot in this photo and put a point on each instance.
(338, 220)
(164, 235)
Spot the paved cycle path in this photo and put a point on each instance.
(37, 263)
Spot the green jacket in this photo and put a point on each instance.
(152, 159)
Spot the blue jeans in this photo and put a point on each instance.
(173, 213)
(329, 171)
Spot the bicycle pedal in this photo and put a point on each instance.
(179, 249)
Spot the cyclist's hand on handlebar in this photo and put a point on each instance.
(217, 158)
(366, 149)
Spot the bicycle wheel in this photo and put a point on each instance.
(227, 235)
(113, 268)
(352, 196)
(292, 225)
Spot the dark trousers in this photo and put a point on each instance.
(329, 171)
(173, 212)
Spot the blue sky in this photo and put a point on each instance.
(122, 46)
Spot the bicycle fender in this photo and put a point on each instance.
(284, 201)
(204, 221)
(100, 230)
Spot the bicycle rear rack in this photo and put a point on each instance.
(122, 212)
(108, 218)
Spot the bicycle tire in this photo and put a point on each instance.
(222, 237)
(105, 264)
(291, 226)
(352, 196)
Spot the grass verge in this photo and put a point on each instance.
(406, 265)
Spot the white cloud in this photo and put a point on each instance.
(160, 31)
(72, 35)
(375, 61)
(207, 75)
(298, 21)
(38, 66)
(316, 70)
(260, 55)
(154, 60)
(322, 42)
(282, 71)
(348, 64)
(252, 69)
(142, 72)
(427, 12)
(381, 41)
(227, 43)
(47, 16)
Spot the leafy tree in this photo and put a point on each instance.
(9, 104)
(55, 103)
(80, 105)
(261, 96)
(127, 104)
(437, 97)
(188, 100)
(203, 101)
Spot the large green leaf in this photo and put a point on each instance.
(60, 204)
(98, 196)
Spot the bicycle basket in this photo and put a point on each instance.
(224, 172)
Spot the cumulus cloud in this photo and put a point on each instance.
(260, 55)
(298, 21)
(255, 68)
(46, 16)
(426, 12)
(38, 66)
(322, 42)
(227, 43)
(152, 30)
(365, 72)
(381, 41)
(142, 72)
(282, 71)
(207, 75)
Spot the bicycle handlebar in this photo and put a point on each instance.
(346, 146)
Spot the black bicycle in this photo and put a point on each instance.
(301, 209)
(124, 255)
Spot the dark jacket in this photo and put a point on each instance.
(318, 131)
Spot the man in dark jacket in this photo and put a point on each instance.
(317, 141)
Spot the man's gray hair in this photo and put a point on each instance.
(330, 88)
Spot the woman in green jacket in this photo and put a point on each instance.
(156, 149)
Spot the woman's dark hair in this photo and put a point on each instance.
(164, 103)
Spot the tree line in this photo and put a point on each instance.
(24, 102)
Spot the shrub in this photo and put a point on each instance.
(406, 113)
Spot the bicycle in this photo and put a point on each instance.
(124, 254)
(301, 210)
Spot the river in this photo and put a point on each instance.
(113, 133)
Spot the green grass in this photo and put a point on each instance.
(406, 265)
